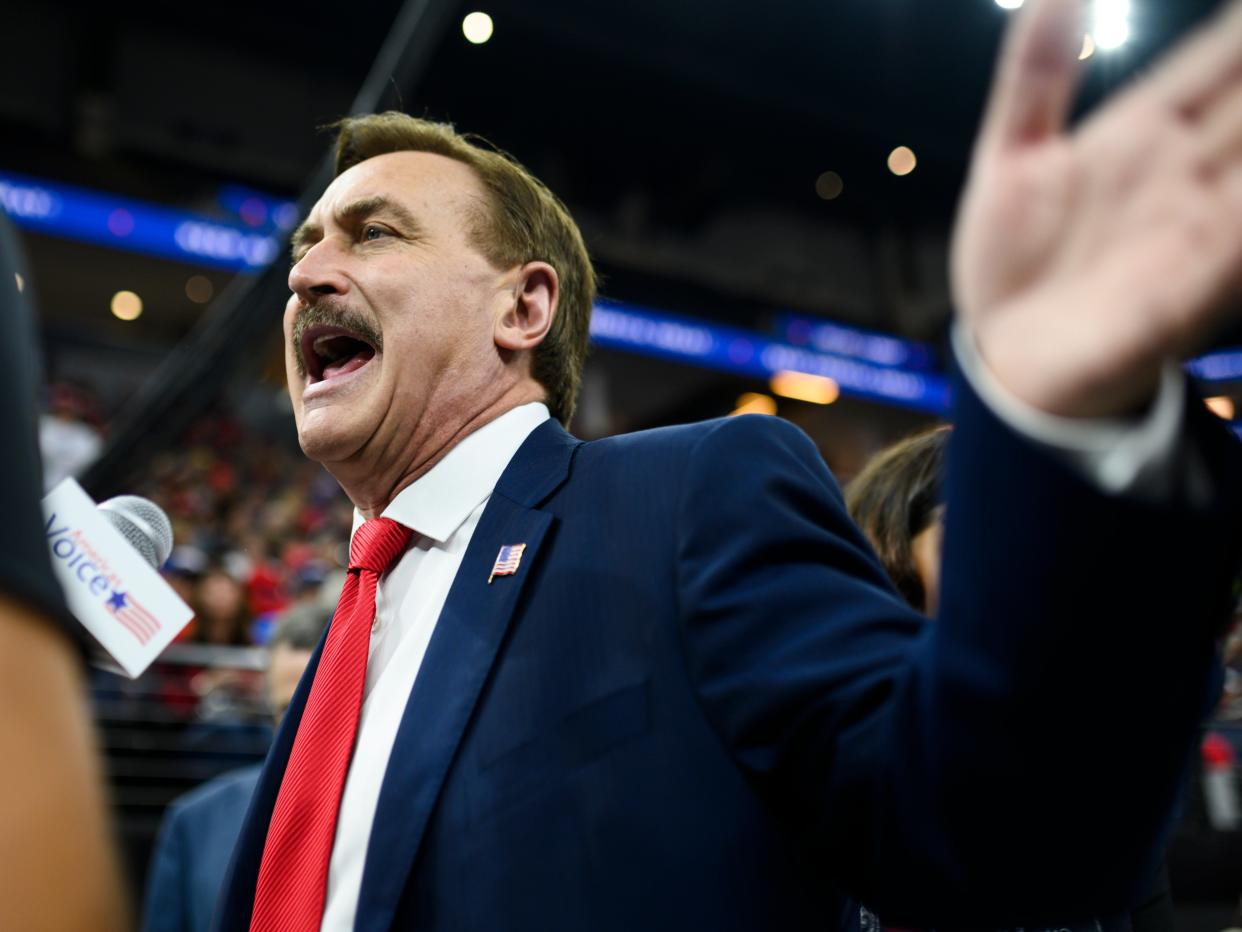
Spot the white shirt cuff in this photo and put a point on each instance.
(1134, 456)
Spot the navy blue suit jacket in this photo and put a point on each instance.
(192, 853)
(699, 702)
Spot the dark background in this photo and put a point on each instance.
(686, 137)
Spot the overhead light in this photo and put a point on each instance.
(754, 403)
(126, 305)
(198, 288)
(902, 161)
(829, 186)
(477, 27)
(802, 386)
(21, 282)
(1222, 406)
(1111, 27)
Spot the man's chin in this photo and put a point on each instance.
(325, 439)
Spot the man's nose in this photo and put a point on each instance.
(318, 274)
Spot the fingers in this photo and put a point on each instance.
(1204, 66)
(1036, 76)
(1220, 130)
(1204, 259)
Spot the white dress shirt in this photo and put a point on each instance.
(1133, 456)
(442, 508)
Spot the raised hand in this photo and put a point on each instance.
(1083, 260)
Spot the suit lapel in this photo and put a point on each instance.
(461, 654)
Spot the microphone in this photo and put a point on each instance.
(107, 560)
(143, 524)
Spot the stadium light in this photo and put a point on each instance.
(1222, 406)
(902, 161)
(1110, 24)
(1111, 27)
(754, 403)
(477, 27)
(829, 186)
(126, 305)
(803, 386)
(198, 288)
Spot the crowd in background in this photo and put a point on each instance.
(260, 529)
(257, 526)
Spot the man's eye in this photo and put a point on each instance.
(370, 232)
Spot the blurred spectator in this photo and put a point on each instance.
(183, 571)
(200, 829)
(221, 619)
(69, 435)
(257, 526)
(220, 610)
(896, 500)
(1205, 850)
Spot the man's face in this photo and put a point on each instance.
(389, 331)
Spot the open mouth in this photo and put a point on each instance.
(329, 352)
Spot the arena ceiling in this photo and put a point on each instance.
(687, 135)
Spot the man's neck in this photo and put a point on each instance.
(372, 488)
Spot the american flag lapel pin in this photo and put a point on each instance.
(506, 561)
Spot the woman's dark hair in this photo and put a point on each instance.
(895, 498)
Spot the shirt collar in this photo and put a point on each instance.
(439, 502)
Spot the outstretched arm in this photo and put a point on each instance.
(1012, 761)
(1086, 259)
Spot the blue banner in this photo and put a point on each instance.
(731, 349)
(138, 226)
(880, 349)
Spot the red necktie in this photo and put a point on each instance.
(293, 875)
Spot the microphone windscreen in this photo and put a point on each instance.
(142, 523)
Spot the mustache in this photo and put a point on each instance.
(331, 315)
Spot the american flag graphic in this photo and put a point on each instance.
(139, 622)
(506, 561)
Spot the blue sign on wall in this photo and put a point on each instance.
(124, 223)
(731, 349)
(864, 363)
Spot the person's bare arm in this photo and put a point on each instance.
(58, 866)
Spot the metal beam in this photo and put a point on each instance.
(195, 372)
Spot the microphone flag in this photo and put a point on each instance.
(116, 595)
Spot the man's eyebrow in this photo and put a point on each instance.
(354, 212)
(365, 207)
(304, 235)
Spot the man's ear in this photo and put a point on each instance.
(525, 322)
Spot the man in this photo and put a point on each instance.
(660, 681)
(200, 828)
